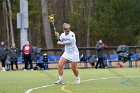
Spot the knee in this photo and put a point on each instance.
(60, 66)
(74, 68)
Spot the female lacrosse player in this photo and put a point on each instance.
(71, 53)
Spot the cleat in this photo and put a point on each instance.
(32, 69)
(77, 81)
(3, 69)
(59, 81)
(24, 70)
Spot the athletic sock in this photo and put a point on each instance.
(78, 77)
(60, 77)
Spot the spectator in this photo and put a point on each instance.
(36, 53)
(100, 54)
(3, 54)
(28, 55)
(13, 56)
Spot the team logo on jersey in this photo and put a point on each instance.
(65, 39)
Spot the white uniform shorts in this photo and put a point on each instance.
(72, 57)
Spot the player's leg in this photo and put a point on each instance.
(74, 68)
(3, 65)
(102, 62)
(98, 62)
(61, 63)
(75, 71)
(16, 65)
(12, 65)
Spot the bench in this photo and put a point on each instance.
(115, 56)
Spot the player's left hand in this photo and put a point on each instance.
(59, 43)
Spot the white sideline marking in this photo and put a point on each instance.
(30, 90)
(99, 79)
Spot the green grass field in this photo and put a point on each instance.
(126, 80)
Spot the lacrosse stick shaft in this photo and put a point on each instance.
(54, 26)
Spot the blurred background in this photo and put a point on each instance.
(116, 22)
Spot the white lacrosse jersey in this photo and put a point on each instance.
(71, 51)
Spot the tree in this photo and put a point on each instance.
(110, 20)
(5, 13)
(114, 21)
(46, 24)
(11, 23)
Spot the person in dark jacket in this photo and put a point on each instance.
(3, 54)
(13, 56)
(100, 54)
(28, 55)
